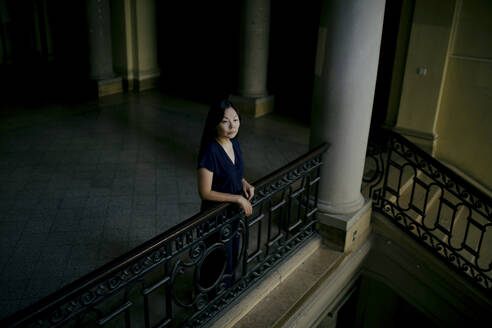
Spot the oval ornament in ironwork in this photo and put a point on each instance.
(211, 268)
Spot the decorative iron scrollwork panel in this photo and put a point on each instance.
(431, 203)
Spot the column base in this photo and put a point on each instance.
(107, 87)
(345, 232)
(140, 85)
(146, 84)
(425, 140)
(142, 80)
(342, 208)
(255, 107)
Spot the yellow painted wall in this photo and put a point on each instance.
(429, 40)
(464, 123)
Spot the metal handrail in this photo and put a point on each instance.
(433, 204)
(74, 301)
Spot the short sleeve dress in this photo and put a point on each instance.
(227, 176)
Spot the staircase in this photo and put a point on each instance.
(432, 204)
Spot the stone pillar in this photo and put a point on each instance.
(134, 27)
(146, 72)
(345, 77)
(100, 48)
(252, 97)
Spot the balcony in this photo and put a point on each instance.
(75, 176)
(284, 275)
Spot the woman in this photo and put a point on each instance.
(220, 179)
(220, 162)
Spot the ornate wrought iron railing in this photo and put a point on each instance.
(193, 272)
(433, 204)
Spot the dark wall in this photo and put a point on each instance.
(34, 71)
(375, 304)
(198, 47)
(387, 53)
(70, 38)
(293, 41)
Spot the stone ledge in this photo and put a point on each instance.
(232, 317)
(279, 302)
(330, 291)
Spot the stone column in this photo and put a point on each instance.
(345, 77)
(100, 48)
(252, 97)
(134, 28)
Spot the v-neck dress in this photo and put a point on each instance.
(227, 176)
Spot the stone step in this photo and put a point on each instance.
(278, 294)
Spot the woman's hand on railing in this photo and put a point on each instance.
(245, 205)
(248, 190)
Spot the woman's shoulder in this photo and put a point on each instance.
(213, 146)
(209, 149)
(208, 157)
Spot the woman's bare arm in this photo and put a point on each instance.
(206, 193)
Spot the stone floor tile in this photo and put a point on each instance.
(97, 202)
(91, 223)
(73, 202)
(113, 248)
(38, 226)
(31, 240)
(143, 221)
(116, 234)
(42, 286)
(13, 289)
(12, 228)
(94, 235)
(187, 209)
(21, 269)
(142, 234)
(60, 238)
(9, 306)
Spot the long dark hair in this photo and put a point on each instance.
(214, 117)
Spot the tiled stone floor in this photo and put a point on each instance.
(78, 190)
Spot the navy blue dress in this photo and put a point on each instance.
(227, 176)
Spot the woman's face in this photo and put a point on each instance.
(229, 126)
